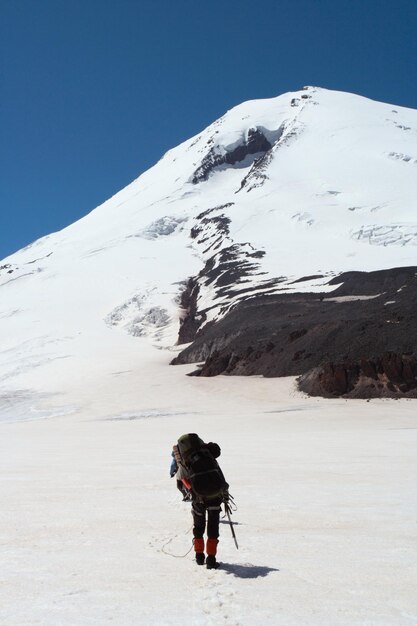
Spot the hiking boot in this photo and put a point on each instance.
(211, 548)
(199, 550)
(211, 562)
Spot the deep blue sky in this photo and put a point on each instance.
(93, 92)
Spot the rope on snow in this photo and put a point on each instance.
(177, 556)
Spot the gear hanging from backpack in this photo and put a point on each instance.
(229, 508)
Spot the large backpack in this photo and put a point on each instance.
(204, 473)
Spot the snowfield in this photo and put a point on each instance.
(326, 522)
(308, 184)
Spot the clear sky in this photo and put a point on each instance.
(93, 92)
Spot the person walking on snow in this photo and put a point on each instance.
(201, 480)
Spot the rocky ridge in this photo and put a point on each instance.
(327, 338)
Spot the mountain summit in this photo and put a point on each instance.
(279, 199)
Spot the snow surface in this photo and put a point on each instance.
(90, 521)
(89, 407)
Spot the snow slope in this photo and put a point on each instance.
(335, 190)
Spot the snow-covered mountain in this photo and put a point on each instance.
(306, 186)
(251, 239)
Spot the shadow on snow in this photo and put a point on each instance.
(247, 570)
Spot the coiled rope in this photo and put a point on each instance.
(177, 556)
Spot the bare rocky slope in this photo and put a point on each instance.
(358, 340)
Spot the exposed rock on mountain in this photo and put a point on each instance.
(255, 144)
(289, 334)
(391, 375)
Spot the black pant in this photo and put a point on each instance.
(199, 510)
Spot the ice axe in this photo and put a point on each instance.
(228, 512)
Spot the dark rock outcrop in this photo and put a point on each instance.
(290, 334)
(229, 271)
(391, 375)
(373, 283)
(190, 320)
(256, 143)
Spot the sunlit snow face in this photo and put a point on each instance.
(330, 187)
